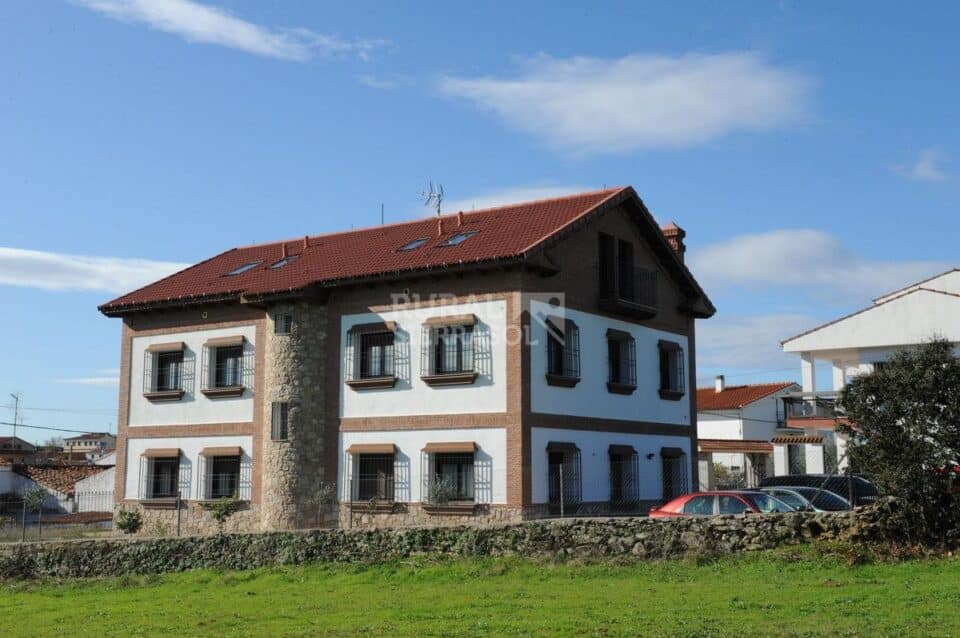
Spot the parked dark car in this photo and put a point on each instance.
(856, 489)
(809, 498)
(721, 502)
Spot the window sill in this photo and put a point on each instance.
(562, 380)
(164, 395)
(451, 378)
(209, 501)
(372, 382)
(621, 388)
(452, 509)
(671, 395)
(380, 507)
(231, 391)
(628, 308)
(166, 503)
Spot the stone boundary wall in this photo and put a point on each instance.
(614, 538)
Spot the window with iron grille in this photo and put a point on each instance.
(278, 421)
(163, 477)
(564, 482)
(447, 350)
(228, 367)
(624, 476)
(621, 361)
(674, 477)
(454, 471)
(376, 355)
(672, 384)
(169, 371)
(375, 477)
(224, 477)
(563, 350)
(282, 323)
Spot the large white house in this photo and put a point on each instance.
(863, 340)
(494, 365)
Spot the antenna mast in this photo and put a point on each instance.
(434, 196)
(16, 412)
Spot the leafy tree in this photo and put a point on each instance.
(905, 435)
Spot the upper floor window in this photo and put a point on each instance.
(227, 367)
(279, 415)
(623, 287)
(164, 371)
(563, 352)
(282, 323)
(621, 362)
(448, 350)
(370, 356)
(671, 370)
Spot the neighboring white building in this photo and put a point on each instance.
(740, 428)
(857, 343)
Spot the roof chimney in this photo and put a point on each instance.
(460, 219)
(283, 250)
(439, 226)
(675, 235)
(721, 383)
(306, 241)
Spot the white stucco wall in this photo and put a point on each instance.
(191, 484)
(590, 397)
(411, 395)
(595, 461)
(194, 407)
(490, 460)
(948, 281)
(95, 493)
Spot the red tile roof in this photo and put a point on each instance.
(505, 233)
(60, 478)
(736, 396)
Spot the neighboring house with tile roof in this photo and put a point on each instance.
(89, 446)
(859, 342)
(13, 448)
(58, 480)
(740, 433)
(447, 369)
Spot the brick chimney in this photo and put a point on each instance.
(675, 235)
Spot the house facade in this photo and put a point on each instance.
(742, 433)
(89, 446)
(857, 344)
(485, 366)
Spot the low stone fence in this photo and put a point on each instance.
(630, 538)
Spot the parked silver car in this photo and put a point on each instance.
(810, 499)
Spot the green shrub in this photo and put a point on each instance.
(129, 521)
(222, 509)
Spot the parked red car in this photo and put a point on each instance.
(726, 502)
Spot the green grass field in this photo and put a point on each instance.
(755, 595)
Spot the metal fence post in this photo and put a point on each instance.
(561, 490)
(23, 522)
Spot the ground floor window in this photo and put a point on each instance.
(224, 477)
(453, 478)
(624, 477)
(796, 458)
(565, 490)
(674, 467)
(163, 477)
(374, 477)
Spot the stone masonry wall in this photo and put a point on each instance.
(194, 520)
(618, 538)
(295, 372)
(360, 515)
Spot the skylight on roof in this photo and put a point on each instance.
(283, 262)
(244, 268)
(459, 238)
(416, 243)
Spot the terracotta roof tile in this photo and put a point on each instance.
(60, 478)
(736, 396)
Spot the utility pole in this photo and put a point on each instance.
(16, 413)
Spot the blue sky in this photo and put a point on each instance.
(810, 150)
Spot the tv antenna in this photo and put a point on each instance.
(434, 196)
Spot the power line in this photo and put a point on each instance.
(64, 410)
(44, 427)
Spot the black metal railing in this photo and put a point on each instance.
(451, 479)
(641, 289)
(563, 353)
(374, 478)
(812, 406)
(447, 350)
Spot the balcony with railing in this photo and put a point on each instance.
(817, 410)
(633, 293)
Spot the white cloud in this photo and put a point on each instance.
(928, 167)
(510, 196)
(805, 261)
(195, 22)
(56, 271)
(737, 343)
(596, 105)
